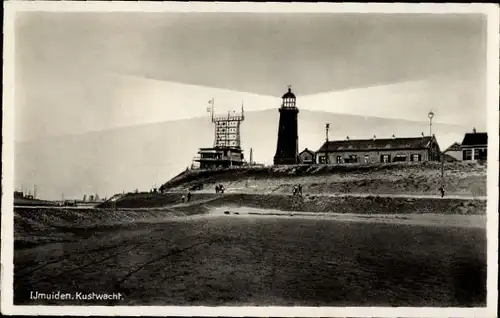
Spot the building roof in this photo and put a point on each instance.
(475, 139)
(454, 147)
(289, 94)
(373, 144)
(307, 150)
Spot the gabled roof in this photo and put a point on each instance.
(454, 147)
(307, 150)
(373, 144)
(475, 139)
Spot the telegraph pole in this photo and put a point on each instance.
(327, 128)
(442, 169)
(431, 152)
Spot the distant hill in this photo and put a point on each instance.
(123, 159)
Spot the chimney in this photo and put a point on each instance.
(393, 136)
(374, 137)
(423, 135)
(474, 130)
(347, 138)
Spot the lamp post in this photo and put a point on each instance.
(431, 115)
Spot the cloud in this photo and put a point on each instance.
(454, 101)
(98, 100)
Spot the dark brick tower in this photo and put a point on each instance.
(287, 150)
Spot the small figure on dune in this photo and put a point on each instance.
(189, 196)
(295, 189)
(299, 188)
(183, 199)
(221, 188)
(217, 188)
(441, 189)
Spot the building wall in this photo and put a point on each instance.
(287, 150)
(18, 194)
(219, 158)
(455, 154)
(306, 157)
(476, 153)
(373, 156)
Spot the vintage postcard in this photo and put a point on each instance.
(250, 159)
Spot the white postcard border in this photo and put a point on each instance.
(11, 7)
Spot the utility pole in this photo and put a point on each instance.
(327, 128)
(431, 152)
(442, 170)
(431, 115)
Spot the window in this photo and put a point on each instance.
(467, 154)
(367, 158)
(416, 157)
(399, 158)
(476, 154)
(483, 154)
(322, 159)
(385, 158)
(352, 159)
(339, 159)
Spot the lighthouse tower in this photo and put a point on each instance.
(287, 150)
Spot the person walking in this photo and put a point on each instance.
(442, 191)
(189, 196)
(295, 189)
(300, 189)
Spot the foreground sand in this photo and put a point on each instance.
(219, 259)
(257, 249)
(466, 221)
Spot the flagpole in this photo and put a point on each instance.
(215, 130)
(213, 106)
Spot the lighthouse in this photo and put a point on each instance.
(287, 149)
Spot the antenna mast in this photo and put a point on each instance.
(213, 106)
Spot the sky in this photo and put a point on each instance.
(80, 72)
(85, 73)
